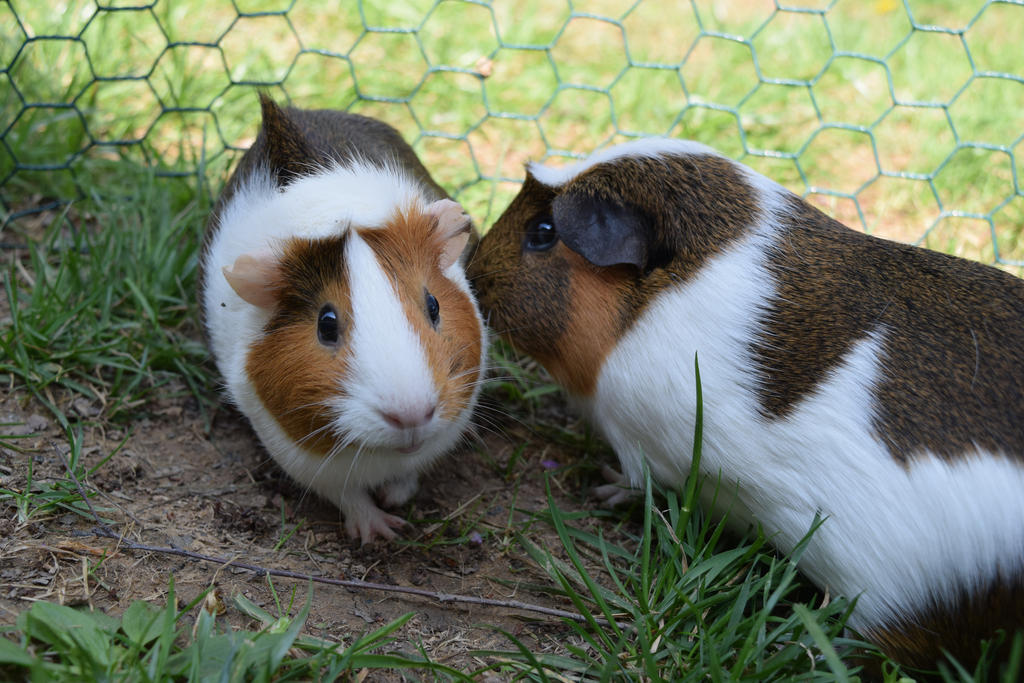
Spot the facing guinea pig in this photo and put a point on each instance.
(336, 307)
(875, 385)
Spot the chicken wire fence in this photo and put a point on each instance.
(904, 118)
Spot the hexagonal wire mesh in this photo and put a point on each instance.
(905, 118)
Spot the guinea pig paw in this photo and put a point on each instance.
(399, 491)
(617, 491)
(370, 522)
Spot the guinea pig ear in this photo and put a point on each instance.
(288, 153)
(453, 229)
(255, 277)
(603, 231)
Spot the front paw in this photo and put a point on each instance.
(364, 521)
(617, 491)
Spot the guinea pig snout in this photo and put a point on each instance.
(404, 417)
(408, 423)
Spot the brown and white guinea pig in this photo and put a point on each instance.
(337, 309)
(876, 385)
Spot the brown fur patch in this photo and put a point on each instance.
(292, 372)
(918, 642)
(953, 364)
(593, 324)
(408, 248)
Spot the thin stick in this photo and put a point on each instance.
(106, 532)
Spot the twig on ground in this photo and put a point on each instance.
(105, 532)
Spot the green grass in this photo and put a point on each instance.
(98, 294)
(677, 598)
(686, 602)
(682, 604)
(165, 643)
(103, 305)
(41, 498)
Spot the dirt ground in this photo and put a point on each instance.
(174, 484)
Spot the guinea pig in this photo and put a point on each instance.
(336, 306)
(874, 385)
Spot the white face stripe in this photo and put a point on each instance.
(897, 538)
(388, 369)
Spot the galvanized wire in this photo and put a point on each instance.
(841, 102)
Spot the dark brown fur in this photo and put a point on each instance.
(920, 643)
(306, 139)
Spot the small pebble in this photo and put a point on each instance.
(37, 423)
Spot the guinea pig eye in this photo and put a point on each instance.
(433, 308)
(327, 329)
(541, 235)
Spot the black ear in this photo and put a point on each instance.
(605, 232)
(288, 153)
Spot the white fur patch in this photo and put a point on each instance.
(359, 194)
(645, 147)
(897, 538)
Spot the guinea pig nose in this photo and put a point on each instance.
(408, 417)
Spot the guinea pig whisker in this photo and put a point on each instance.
(316, 432)
(335, 451)
(309, 487)
(469, 373)
(453, 359)
(262, 462)
(484, 254)
(482, 414)
(470, 437)
(484, 424)
(490, 427)
(344, 438)
(478, 383)
(352, 466)
(490, 379)
(493, 273)
(325, 403)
